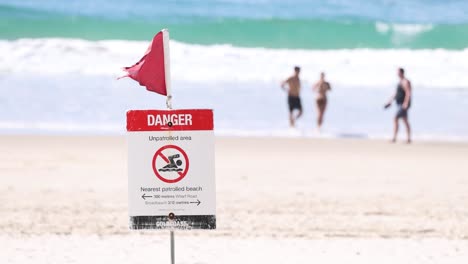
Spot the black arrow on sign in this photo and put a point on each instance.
(144, 196)
(197, 202)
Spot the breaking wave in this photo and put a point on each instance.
(226, 63)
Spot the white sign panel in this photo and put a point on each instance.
(171, 180)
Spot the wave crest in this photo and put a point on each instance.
(220, 63)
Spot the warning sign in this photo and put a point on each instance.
(171, 177)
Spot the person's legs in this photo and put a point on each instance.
(299, 113)
(408, 129)
(299, 108)
(320, 118)
(320, 112)
(291, 118)
(395, 129)
(291, 110)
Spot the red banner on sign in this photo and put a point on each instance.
(170, 120)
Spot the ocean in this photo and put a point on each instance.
(59, 61)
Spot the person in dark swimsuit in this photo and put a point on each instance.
(402, 97)
(322, 87)
(293, 87)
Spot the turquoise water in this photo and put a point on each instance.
(330, 24)
(57, 76)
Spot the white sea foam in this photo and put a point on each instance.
(60, 127)
(407, 29)
(68, 86)
(381, 27)
(197, 63)
(402, 34)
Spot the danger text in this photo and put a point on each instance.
(174, 119)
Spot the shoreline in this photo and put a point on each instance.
(455, 140)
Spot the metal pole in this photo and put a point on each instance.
(172, 248)
(167, 68)
(167, 75)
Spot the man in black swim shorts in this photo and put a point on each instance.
(293, 87)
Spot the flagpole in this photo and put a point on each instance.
(167, 68)
(167, 75)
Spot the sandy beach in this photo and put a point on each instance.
(331, 192)
(321, 194)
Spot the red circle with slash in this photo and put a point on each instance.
(159, 154)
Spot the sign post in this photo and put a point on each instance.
(167, 75)
(171, 178)
(172, 247)
(170, 154)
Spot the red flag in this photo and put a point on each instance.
(152, 70)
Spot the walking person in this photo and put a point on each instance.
(402, 97)
(293, 86)
(321, 88)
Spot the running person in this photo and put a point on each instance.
(321, 88)
(293, 87)
(402, 97)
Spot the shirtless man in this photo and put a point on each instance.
(293, 86)
(402, 97)
(321, 88)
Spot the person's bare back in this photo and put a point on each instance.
(294, 84)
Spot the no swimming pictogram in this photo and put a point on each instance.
(170, 163)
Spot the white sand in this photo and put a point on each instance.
(155, 249)
(288, 199)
